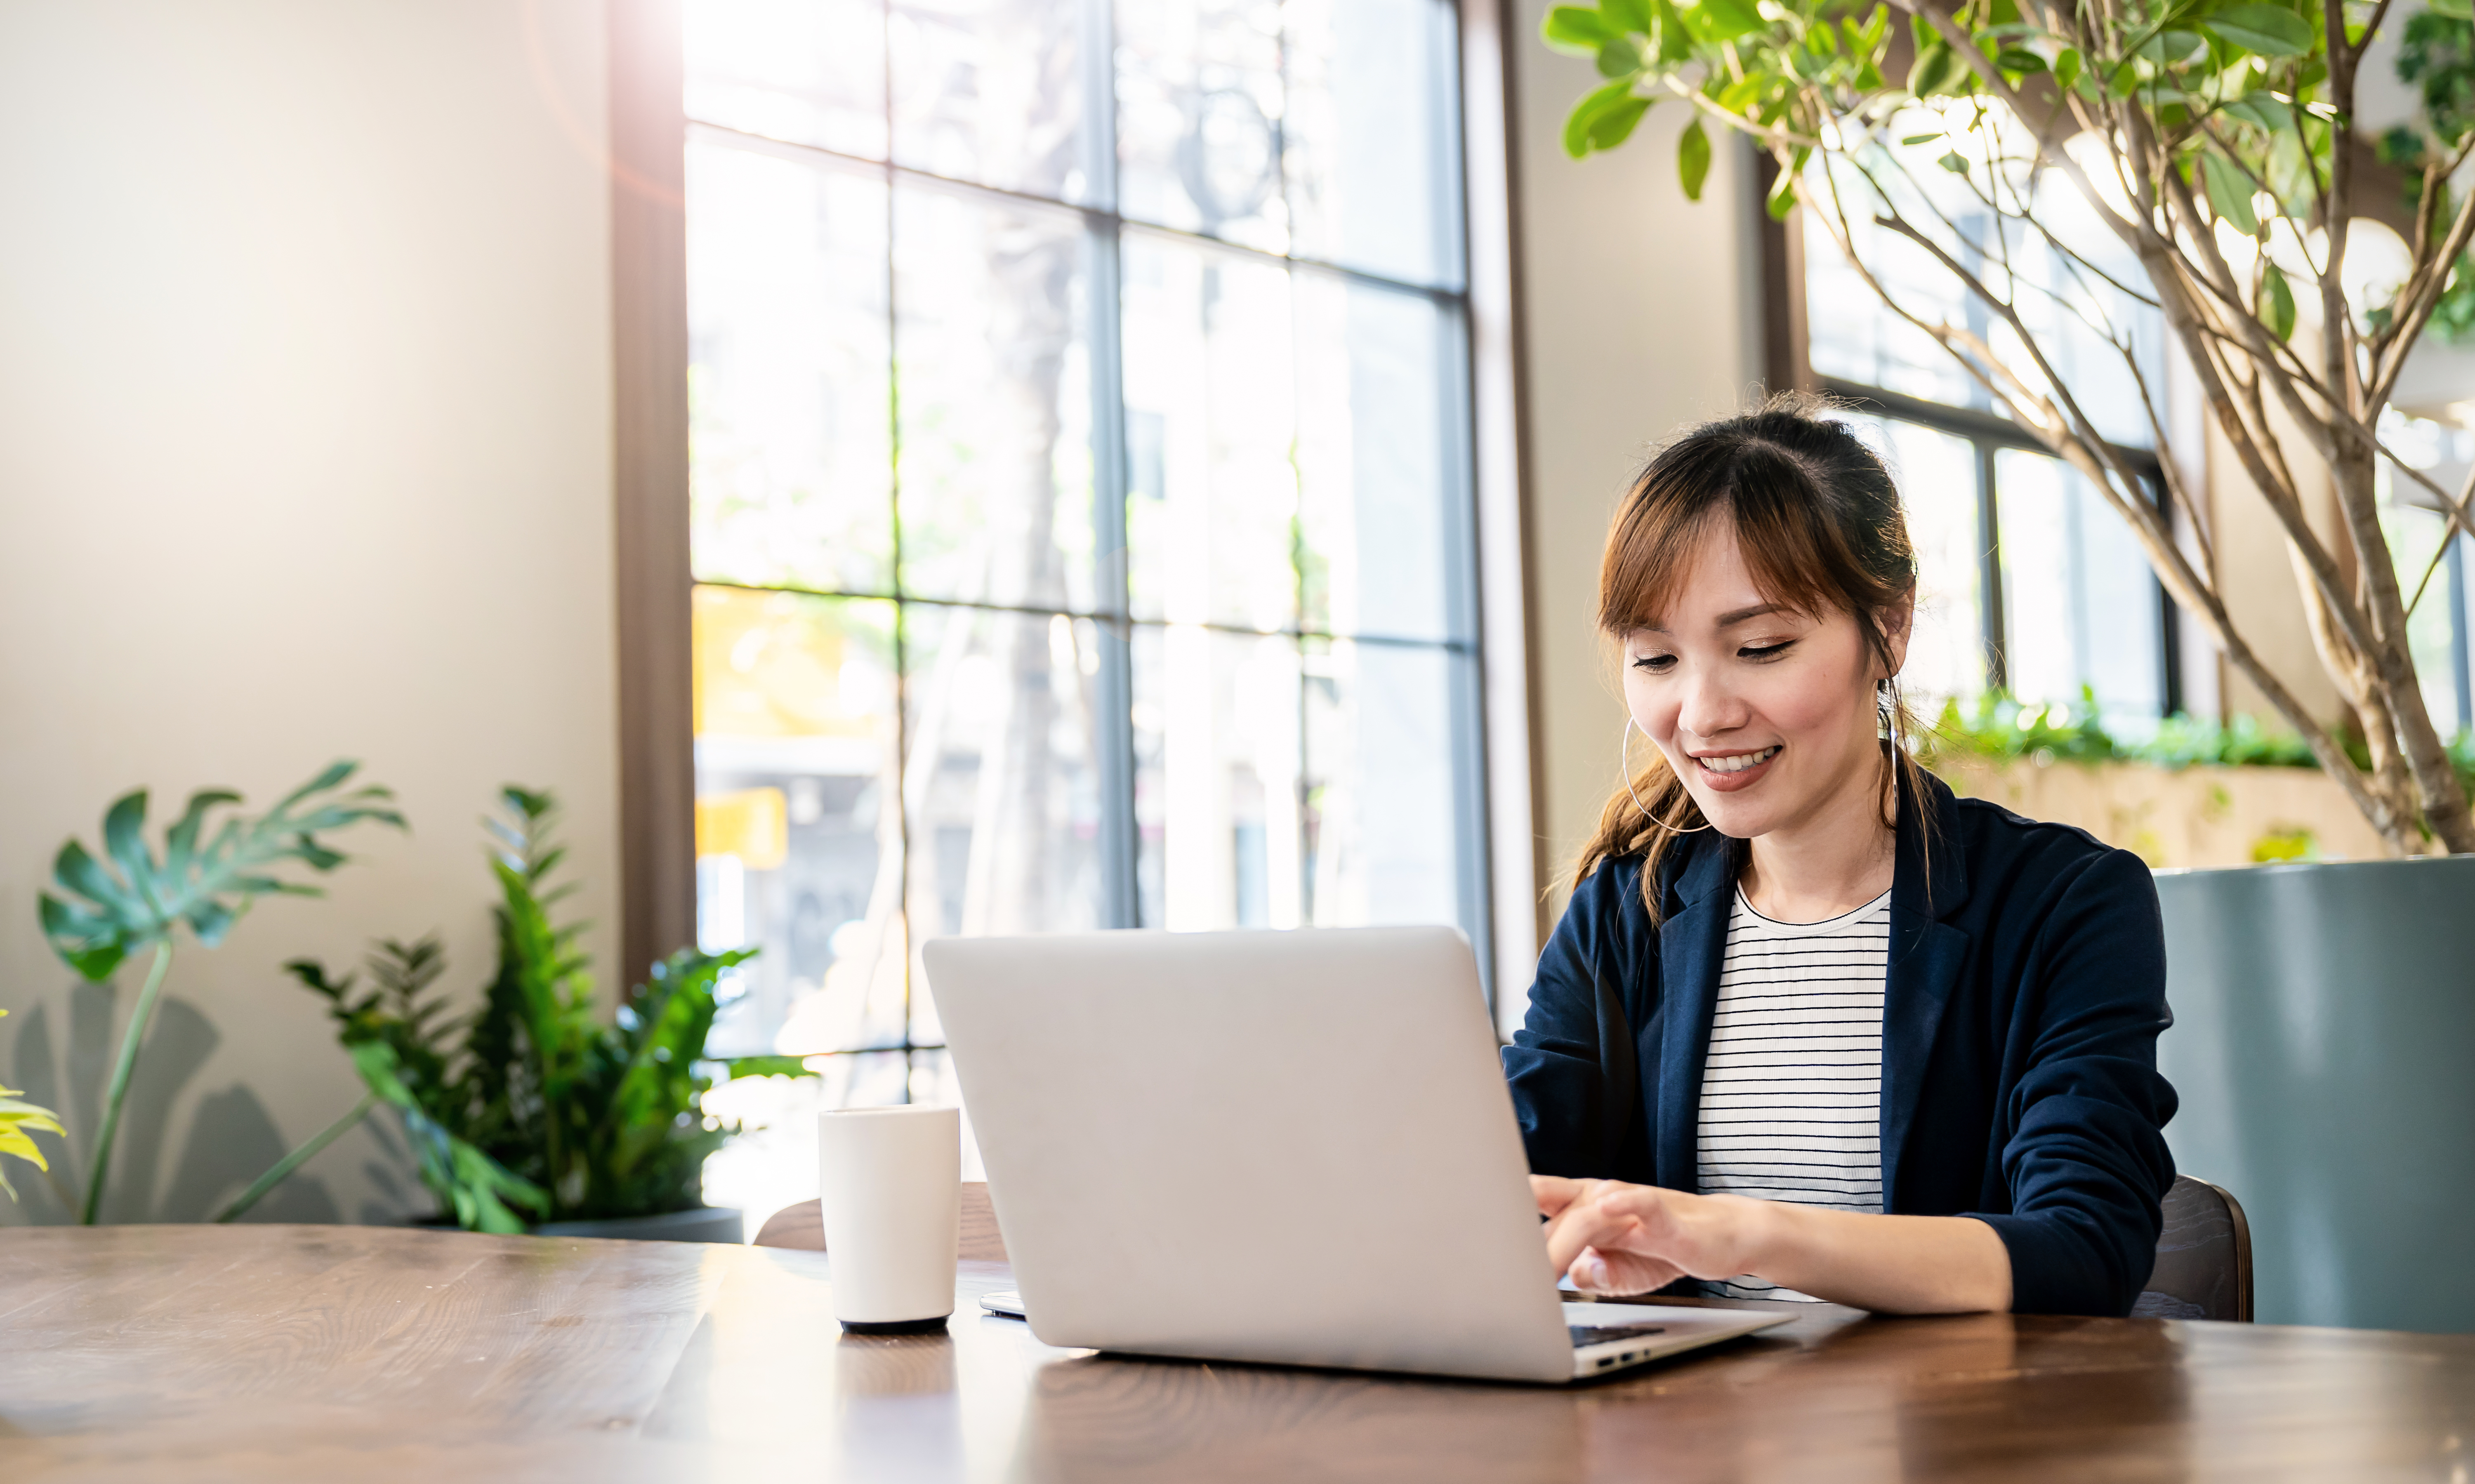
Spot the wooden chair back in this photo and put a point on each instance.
(804, 1227)
(2203, 1257)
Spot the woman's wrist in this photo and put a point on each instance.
(1759, 1233)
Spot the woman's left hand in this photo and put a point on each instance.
(1614, 1238)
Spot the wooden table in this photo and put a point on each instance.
(274, 1353)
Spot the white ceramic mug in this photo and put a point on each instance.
(892, 1185)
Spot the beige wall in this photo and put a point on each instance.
(1641, 312)
(305, 358)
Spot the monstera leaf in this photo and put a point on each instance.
(105, 912)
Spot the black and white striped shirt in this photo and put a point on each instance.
(1792, 1090)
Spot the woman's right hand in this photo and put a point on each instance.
(1618, 1238)
(1576, 1225)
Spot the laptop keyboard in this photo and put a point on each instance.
(1600, 1334)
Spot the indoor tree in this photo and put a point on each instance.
(2070, 168)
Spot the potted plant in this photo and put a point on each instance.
(2201, 160)
(534, 1112)
(128, 900)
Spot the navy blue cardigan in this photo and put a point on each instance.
(2020, 1019)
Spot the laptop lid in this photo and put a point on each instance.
(1294, 1147)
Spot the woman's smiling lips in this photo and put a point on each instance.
(1728, 772)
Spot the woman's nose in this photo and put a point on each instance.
(1710, 706)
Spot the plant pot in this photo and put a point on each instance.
(2323, 1039)
(697, 1223)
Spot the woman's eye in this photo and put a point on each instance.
(1766, 651)
(1655, 663)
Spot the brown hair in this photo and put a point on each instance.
(1821, 526)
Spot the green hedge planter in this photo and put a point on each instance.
(2324, 1048)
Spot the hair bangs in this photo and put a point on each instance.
(1672, 512)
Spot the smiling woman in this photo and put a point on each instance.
(1811, 1027)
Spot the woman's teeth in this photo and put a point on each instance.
(1740, 762)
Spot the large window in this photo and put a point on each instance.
(1081, 506)
(2029, 583)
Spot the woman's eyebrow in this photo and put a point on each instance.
(1728, 620)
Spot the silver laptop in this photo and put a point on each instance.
(1290, 1147)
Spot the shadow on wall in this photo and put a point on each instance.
(230, 1141)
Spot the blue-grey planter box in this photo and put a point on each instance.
(699, 1224)
(2324, 1048)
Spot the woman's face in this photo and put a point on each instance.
(1767, 715)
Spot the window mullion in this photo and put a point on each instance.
(902, 759)
(1113, 721)
(1989, 567)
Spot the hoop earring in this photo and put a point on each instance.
(1624, 754)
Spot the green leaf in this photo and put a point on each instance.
(2229, 193)
(1725, 20)
(181, 842)
(210, 921)
(1919, 138)
(124, 838)
(336, 773)
(1625, 15)
(1738, 95)
(2454, 9)
(77, 871)
(105, 919)
(2276, 302)
(2265, 29)
(2018, 60)
(2261, 110)
(1674, 39)
(1953, 162)
(2067, 68)
(1938, 70)
(1585, 113)
(2170, 48)
(1692, 159)
(84, 941)
(1613, 126)
(1621, 58)
(1573, 28)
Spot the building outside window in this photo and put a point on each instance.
(1081, 498)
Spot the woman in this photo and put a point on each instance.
(1811, 1027)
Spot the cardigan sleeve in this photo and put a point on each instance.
(1572, 1066)
(2086, 1158)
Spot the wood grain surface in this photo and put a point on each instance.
(282, 1353)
